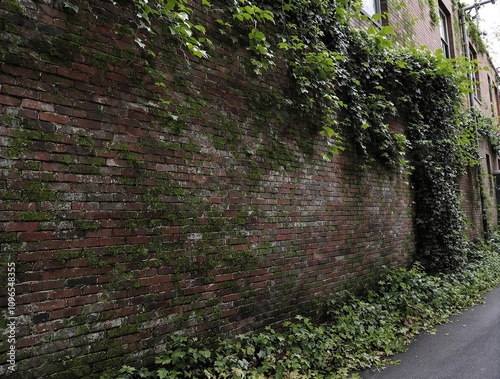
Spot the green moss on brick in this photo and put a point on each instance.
(12, 6)
(35, 216)
(101, 60)
(87, 141)
(123, 330)
(33, 191)
(64, 256)
(23, 138)
(86, 225)
(7, 237)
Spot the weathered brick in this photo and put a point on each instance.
(48, 305)
(25, 226)
(9, 100)
(35, 236)
(54, 117)
(86, 280)
(38, 105)
(143, 212)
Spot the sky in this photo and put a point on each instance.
(489, 23)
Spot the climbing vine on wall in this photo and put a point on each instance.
(353, 81)
(437, 146)
(174, 16)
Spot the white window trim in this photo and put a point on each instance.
(371, 7)
(443, 29)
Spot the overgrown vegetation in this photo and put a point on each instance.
(350, 83)
(359, 333)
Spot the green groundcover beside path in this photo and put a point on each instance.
(360, 332)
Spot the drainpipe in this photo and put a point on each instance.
(466, 50)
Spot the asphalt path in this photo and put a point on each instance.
(466, 348)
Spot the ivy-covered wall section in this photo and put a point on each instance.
(160, 182)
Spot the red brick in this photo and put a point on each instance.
(29, 114)
(48, 326)
(85, 68)
(84, 123)
(53, 12)
(28, 341)
(54, 117)
(7, 79)
(21, 226)
(35, 255)
(48, 305)
(305, 224)
(71, 74)
(38, 105)
(25, 93)
(65, 293)
(224, 277)
(35, 236)
(9, 100)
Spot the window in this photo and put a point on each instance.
(445, 36)
(492, 102)
(371, 7)
(496, 103)
(476, 84)
(490, 176)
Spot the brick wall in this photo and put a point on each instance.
(128, 218)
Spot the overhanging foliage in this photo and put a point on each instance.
(356, 81)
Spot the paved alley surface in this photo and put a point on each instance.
(466, 348)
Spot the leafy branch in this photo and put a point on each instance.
(175, 15)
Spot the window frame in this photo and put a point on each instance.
(476, 83)
(490, 93)
(445, 33)
(374, 5)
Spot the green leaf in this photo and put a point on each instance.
(257, 35)
(71, 6)
(201, 28)
(170, 5)
(249, 9)
(401, 64)
(183, 16)
(386, 30)
(163, 373)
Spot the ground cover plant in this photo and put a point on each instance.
(360, 332)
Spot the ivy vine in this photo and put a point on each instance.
(350, 83)
(176, 17)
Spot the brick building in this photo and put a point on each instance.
(126, 221)
(418, 23)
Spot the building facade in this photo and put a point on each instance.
(449, 26)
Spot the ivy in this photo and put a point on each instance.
(432, 12)
(487, 128)
(438, 149)
(350, 83)
(475, 35)
(176, 17)
(357, 81)
(251, 18)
